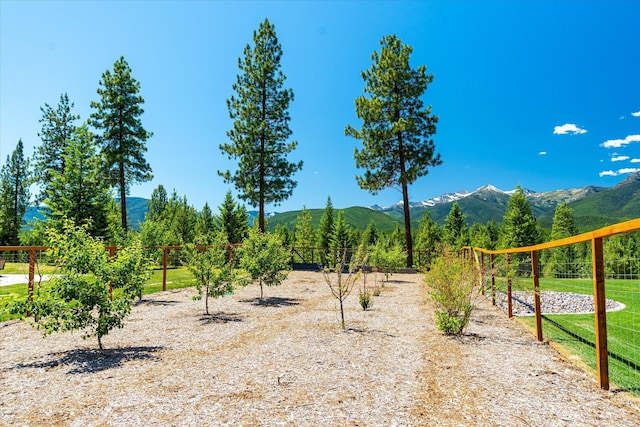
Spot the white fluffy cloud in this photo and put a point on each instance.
(635, 160)
(619, 158)
(568, 128)
(617, 143)
(623, 171)
(636, 114)
(542, 153)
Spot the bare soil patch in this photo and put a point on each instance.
(286, 361)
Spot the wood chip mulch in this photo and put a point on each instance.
(285, 361)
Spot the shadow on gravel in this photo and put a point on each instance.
(220, 317)
(156, 303)
(273, 302)
(87, 361)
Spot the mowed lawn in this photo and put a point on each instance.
(576, 332)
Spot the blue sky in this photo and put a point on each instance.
(545, 94)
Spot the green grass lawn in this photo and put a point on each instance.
(176, 278)
(576, 332)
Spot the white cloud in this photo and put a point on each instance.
(622, 171)
(542, 153)
(568, 128)
(617, 143)
(635, 160)
(636, 114)
(619, 158)
(628, 170)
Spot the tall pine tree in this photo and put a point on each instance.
(259, 111)
(123, 139)
(57, 129)
(397, 128)
(15, 178)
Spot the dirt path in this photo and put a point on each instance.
(285, 361)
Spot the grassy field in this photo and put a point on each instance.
(576, 332)
(176, 278)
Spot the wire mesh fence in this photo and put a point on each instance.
(567, 304)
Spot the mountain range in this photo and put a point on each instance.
(593, 207)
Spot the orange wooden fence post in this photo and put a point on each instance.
(482, 267)
(536, 293)
(32, 271)
(493, 280)
(602, 352)
(164, 268)
(509, 294)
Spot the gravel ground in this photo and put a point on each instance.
(286, 361)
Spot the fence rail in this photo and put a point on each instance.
(598, 274)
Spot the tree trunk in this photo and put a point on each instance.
(123, 197)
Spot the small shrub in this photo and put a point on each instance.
(452, 281)
(366, 302)
(377, 290)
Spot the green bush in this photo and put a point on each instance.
(366, 302)
(452, 281)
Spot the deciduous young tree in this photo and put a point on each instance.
(207, 261)
(78, 192)
(123, 139)
(397, 129)
(15, 178)
(264, 258)
(57, 128)
(79, 297)
(261, 125)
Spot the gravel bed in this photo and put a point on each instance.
(553, 303)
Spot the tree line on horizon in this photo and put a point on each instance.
(77, 167)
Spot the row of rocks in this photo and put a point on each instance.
(553, 302)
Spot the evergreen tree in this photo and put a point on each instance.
(562, 262)
(259, 111)
(397, 128)
(123, 139)
(233, 220)
(157, 204)
(180, 220)
(78, 192)
(427, 240)
(15, 178)
(519, 227)
(341, 237)
(325, 229)
(57, 128)
(455, 227)
(205, 225)
(370, 235)
(304, 235)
